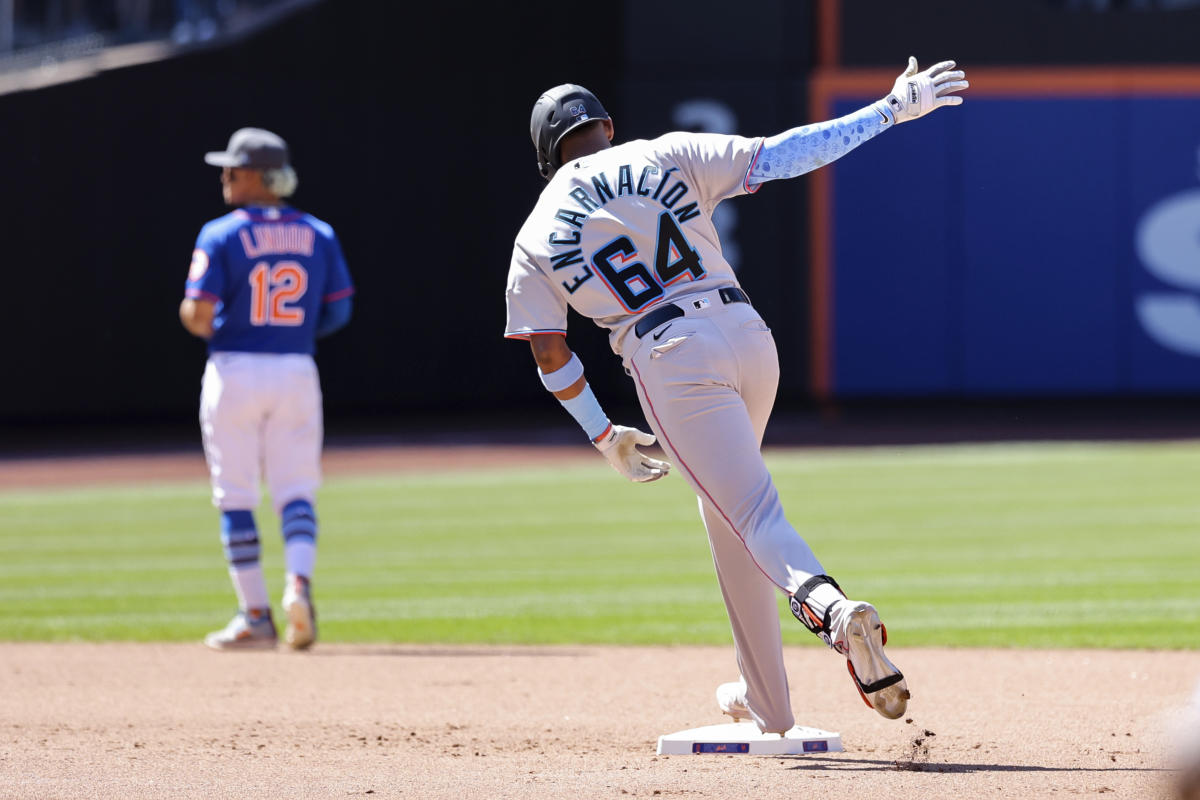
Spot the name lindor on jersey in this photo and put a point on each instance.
(663, 190)
(276, 239)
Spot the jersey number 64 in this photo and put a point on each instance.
(631, 282)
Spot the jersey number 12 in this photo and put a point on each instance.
(273, 290)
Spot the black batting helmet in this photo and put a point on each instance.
(557, 112)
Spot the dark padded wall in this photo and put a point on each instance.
(409, 127)
(410, 134)
(991, 32)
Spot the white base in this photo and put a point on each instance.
(747, 739)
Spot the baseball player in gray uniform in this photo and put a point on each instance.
(624, 235)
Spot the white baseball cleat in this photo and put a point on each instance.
(877, 679)
(249, 630)
(301, 629)
(731, 697)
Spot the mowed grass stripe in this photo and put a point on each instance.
(1048, 545)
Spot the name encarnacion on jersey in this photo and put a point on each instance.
(663, 190)
(262, 240)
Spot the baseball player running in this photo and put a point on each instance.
(266, 281)
(624, 235)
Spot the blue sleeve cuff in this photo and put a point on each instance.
(334, 316)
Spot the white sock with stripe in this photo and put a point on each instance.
(250, 586)
(300, 555)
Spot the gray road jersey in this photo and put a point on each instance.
(621, 231)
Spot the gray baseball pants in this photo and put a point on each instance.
(707, 386)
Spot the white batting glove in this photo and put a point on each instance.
(915, 94)
(620, 445)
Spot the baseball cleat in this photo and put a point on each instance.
(731, 697)
(249, 630)
(877, 679)
(301, 629)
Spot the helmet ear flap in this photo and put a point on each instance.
(544, 129)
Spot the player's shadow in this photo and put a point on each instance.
(813, 763)
(416, 651)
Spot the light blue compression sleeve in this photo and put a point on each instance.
(808, 147)
(585, 408)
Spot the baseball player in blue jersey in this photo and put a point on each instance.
(623, 234)
(266, 282)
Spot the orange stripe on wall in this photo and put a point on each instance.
(821, 261)
(829, 32)
(821, 285)
(829, 84)
(1026, 81)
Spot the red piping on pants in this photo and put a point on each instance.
(683, 464)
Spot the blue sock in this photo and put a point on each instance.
(239, 536)
(299, 529)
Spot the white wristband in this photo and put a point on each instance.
(563, 377)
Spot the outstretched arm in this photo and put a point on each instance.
(562, 374)
(808, 147)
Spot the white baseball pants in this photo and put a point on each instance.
(707, 386)
(261, 417)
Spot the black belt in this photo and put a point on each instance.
(670, 311)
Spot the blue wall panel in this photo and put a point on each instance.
(894, 281)
(1162, 309)
(1040, 263)
(1036, 246)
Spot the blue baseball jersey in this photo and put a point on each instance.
(269, 271)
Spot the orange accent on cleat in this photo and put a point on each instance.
(884, 687)
(858, 685)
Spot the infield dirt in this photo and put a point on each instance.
(177, 720)
(157, 721)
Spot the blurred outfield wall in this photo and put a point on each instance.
(1010, 249)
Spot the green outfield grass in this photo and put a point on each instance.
(1022, 545)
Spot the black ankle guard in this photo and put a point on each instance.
(804, 613)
